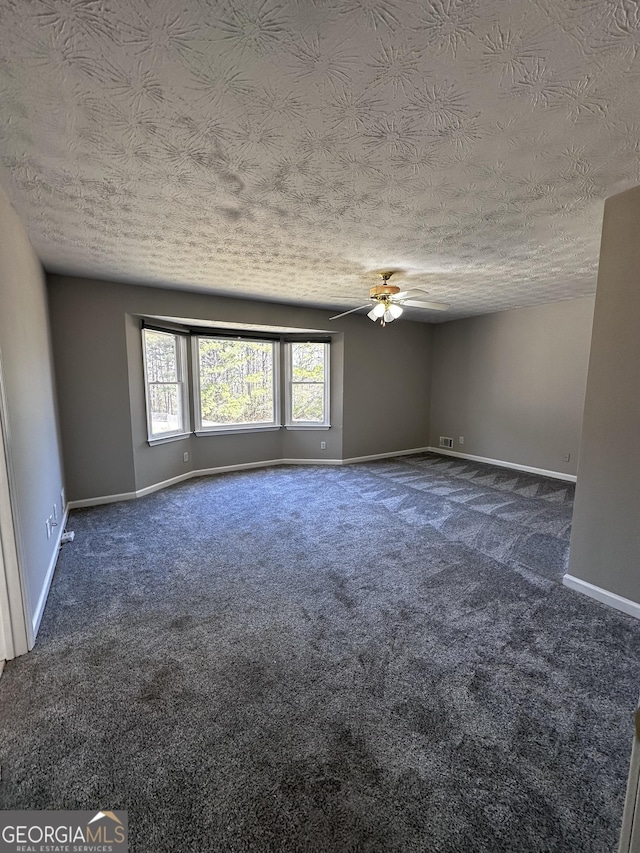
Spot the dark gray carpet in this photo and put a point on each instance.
(378, 657)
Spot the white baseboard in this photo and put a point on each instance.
(242, 466)
(140, 493)
(310, 462)
(271, 463)
(350, 460)
(102, 499)
(44, 592)
(223, 469)
(556, 475)
(632, 608)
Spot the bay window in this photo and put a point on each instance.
(237, 383)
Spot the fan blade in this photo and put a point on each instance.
(404, 294)
(344, 313)
(433, 306)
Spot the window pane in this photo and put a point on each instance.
(307, 403)
(166, 408)
(162, 358)
(307, 362)
(236, 382)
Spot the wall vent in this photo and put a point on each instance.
(446, 442)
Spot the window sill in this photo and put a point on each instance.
(166, 439)
(307, 426)
(236, 430)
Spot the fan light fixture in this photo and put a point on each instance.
(389, 299)
(384, 310)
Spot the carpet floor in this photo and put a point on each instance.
(377, 657)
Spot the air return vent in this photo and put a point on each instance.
(445, 441)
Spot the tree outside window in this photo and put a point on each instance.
(165, 374)
(308, 399)
(236, 382)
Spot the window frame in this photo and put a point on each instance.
(273, 425)
(182, 382)
(289, 423)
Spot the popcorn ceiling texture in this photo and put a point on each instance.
(284, 150)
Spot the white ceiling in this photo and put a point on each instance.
(284, 149)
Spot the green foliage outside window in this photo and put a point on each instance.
(307, 382)
(160, 350)
(164, 383)
(236, 382)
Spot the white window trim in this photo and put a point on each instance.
(173, 437)
(232, 429)
(289, 422)
(273, 425)
(183, 382)
(307, 426)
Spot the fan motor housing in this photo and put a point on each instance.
(383, 290)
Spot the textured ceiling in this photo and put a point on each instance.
(285, 149)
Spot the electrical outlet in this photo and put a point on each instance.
(323, 445)
(185, 456)
(567, 457)
(460, 439)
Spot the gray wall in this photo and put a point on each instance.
(31, 412)
(605, 542)
(513, 384)
(387, 386)
(384, 374)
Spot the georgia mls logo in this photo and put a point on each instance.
(111, 815)
(118, 831)
(63, 832)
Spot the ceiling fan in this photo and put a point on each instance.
(389, 301)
